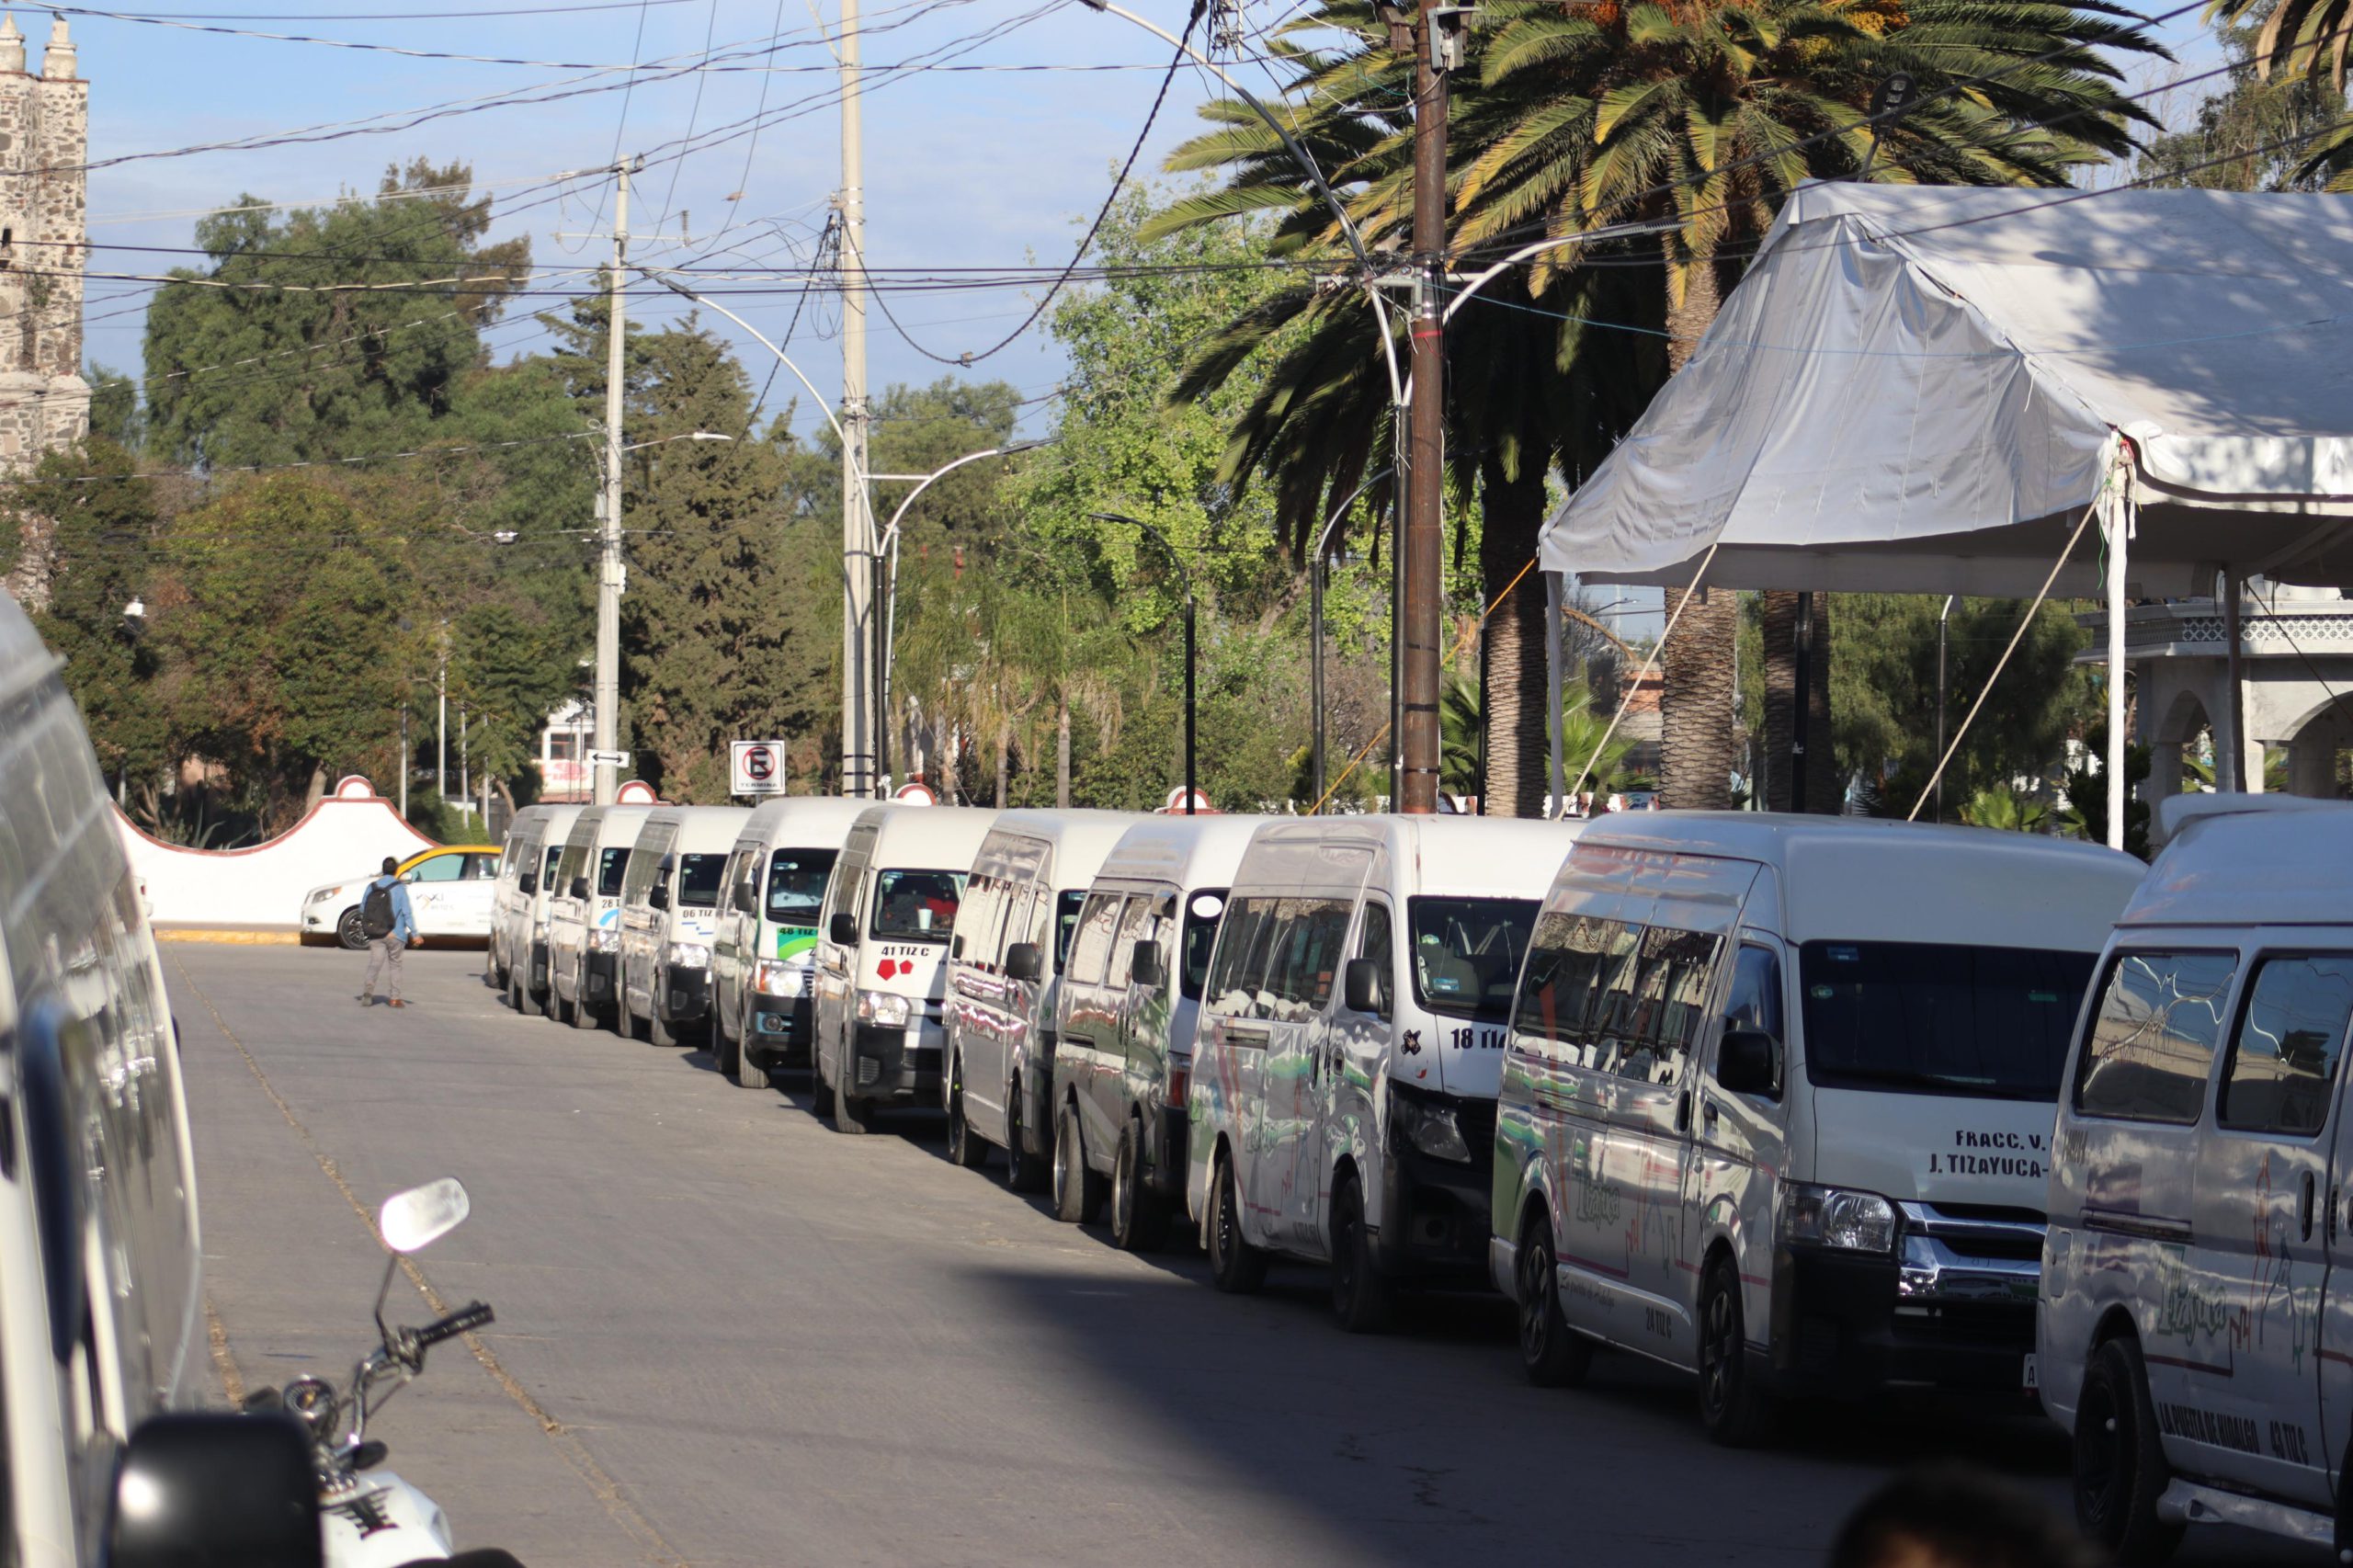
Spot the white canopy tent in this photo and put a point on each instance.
(1924, 388)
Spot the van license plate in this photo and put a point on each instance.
(2032, 1379)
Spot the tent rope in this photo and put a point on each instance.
(1626, 697)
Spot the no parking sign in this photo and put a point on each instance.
(755, 767)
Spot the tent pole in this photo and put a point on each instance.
(1552, 786)
(2120, 528)
(2231, 636)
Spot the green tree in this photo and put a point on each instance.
(2259, 132)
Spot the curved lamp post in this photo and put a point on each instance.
(1315, 618)
(1192, 794)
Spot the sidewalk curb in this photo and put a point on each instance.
(240, 938)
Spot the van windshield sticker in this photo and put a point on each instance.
(1843, 955)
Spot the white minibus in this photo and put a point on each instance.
(762, 960)
(669, 917)
(2196, 1326)
(519, 930)
(585, 914)
(882, 957)
(1123, 1024)
(1011, 932)
(1343, 1092)
(1777, 1101)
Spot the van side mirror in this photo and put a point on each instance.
(1360, 985)
(527, 885)
(215, 1488)
(579, 888)
(1024, 960)
(744, 904)
(658, 895)
(842, 931)
(1748, 1061)
(1144, 969)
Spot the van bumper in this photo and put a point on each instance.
(599, 968)
(1839, 1330)
(1434, 1213)
(681, 995)
(779, 1029)
(893, 1064)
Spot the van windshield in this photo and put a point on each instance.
(698, 878)
(797, 884)
(547, 879)
(1467, 952)
(917, 906)
(1939, 1018)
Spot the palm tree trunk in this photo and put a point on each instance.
(1779, 625)
(1695, 697)
(1004, 761)
(1513, 784)
(1062, 752)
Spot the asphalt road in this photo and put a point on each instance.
(727, 1334)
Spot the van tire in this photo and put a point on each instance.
(1553, 1354)
(659, 1032)
(1236, 1267)
(1139, 1217)
(726, 1053)
(2119, 1460)
(1024, 1172)
(851, 1114)
(583, 1015)
(966, 1148)
(1360, 1293)
(1736, 1412)
(820, 1093)
(1079, 1191)
(514, 992)
(744, 1067)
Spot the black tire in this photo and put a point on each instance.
(851, 1114)
(481, 1557)
(2120, 1470)
(1079, 1191)
(726, 1054)
(820, 1093)
(966, 1148)
(1024, 1171)
(349, 933)
(658, 1030)
(1361, 1294)
(515, 999)
(1736, 1412)
(1139, 1215)
(1236, 1267)
(583, 1015)
(1553, 1354)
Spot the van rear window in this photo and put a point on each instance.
(1938, 1017)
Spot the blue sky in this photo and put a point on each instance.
(962, 168)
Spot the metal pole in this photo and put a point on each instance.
(858, 525)
(404, 751)
(465, 761)
(1943, 617)
(1316, 672)
(441, 721)
(2237, 775)
(1798, 714)
(1190, 774)
(2119, 521)
(609, 573)
(1554, 785)
(1425, 552)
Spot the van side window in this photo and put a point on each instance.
(2153, 1038)
(612, 864)
(2283, 1057)
(1564, 959)
(1066, 907)
(1238, 972)
(1379, 943)
(1614, 1003)
(977, 921)
(1670, 986)
(1311, 934)
(1091, 950)
(1135, 926)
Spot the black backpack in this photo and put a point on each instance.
(376, 910)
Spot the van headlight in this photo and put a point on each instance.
(1836, 1217)
(1429, 1127)
(604, 939)
(775, 977)
(884, 1009)
(688, 955)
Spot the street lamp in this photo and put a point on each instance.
(1315, 619)
(1191, 794)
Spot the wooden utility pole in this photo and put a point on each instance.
(1423, 556)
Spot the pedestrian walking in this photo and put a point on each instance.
(390, 927)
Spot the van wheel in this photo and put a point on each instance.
(1733, 1408)
(515, 991)
(1024, 1172)
(852, 1114)
(965, 1147)
(583, 1015)
(747, 1069)
(726, 1054)
(1138, 1218)
(1235, 1267)
(1079, 1191)
(351, 933)
(659, 1032)
(1360, 1296)
(820, 1093)
(2120, 1470)
(1553, 1354)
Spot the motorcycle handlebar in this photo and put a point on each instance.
(465, 1320)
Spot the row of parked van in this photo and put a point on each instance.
(1802, 1106)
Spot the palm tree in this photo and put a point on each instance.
(1703, 114)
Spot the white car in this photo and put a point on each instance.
(450, 892)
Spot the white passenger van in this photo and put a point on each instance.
(764, 957)
(585, 914)
(1342, 1093)
(669, 917)
(101, 1341)
(519, 928)
(1020, 906)
(2197, 1325)
(890, 910)
(1777, 1101)
(1123, 1024)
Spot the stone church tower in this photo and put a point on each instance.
(44, 142)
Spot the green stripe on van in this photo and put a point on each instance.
(791, 941)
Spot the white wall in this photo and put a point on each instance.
(348, 834)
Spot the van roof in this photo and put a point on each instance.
(1491, 856)
(1186, 852)
(1079, 840)
(826, 819)
(929, 838)
(701, 829)
(2251, 860)
(592, 822)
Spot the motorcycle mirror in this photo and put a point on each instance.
(413, 1220)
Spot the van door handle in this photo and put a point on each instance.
(2332, 1215)
(1708, 1113)
(2304, 1207)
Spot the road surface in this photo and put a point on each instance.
(728, 1335)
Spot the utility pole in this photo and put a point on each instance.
(441, 721)
(857, 522)
(609, 570)
(1423, 558)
